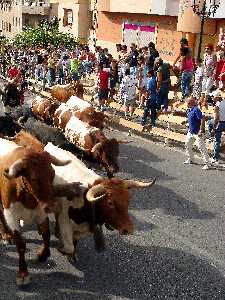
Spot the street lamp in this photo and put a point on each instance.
(204, 9)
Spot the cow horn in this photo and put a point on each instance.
(96, 147)
(124, 142)
(57, 162)
(139, 184)
(14, 170)
(96, 193)
(20, 122)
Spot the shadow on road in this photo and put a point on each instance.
(124, 270)
(136, 162)
(161, 197)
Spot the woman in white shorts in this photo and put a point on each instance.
(209, 65)
(142, 81)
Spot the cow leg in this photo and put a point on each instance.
(99, 238)
(23, 275)
(57, 229)
(74, 256)
(44, 231)
(6, 234)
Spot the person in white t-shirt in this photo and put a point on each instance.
(128, 92)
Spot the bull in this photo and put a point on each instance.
(94, 143)
(86, 113)
(80, 109)
(26, 189)
(63, 93)
(44, 109)
(99, 201)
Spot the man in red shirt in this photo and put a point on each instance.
(103, 86)
(13, 72)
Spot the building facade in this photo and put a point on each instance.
(161, 21)
(74, 17)
(13, 17)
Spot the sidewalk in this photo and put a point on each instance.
(169, 131)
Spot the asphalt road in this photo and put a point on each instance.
(176, 252)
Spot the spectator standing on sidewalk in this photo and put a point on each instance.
(163, 82)
(151, 103)
(128, 93)
(197, 88)
(187, 68)
(196, 131)
(153, 54)
(209, 64)
(217, 126)
(133, 59)
(103, 87)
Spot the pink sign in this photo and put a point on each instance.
(131, 26)
(147, 28)
(139, 27)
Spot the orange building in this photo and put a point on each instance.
(142, 21)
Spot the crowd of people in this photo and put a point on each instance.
(138, 77)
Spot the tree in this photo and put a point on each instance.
(43, 35)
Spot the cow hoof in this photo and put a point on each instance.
(23, 279)
(43, 255)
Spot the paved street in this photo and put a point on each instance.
(176, 252)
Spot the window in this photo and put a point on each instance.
(68, 17)
(13, 21)
(16, 22)
(10, 27)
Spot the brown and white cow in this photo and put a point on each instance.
(44, 109)
(86, 113)
(80, 109)
(93, 142)
(99, 201)
(63, 93)
(26, 193)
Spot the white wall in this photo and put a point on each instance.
(221, 10)
(165, 7)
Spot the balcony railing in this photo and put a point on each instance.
(35, 7)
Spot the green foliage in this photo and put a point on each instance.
(43, 35)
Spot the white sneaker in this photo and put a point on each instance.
(188, 162)
(205, 167)
(214, 161)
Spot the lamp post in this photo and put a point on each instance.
(204, 9)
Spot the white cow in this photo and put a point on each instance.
(107, 198)
(80, 133)
(76, 103)
(75, 172)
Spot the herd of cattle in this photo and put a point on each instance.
(41, 173)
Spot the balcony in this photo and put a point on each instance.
(154, 7)
(35, 8)
(125, 6)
